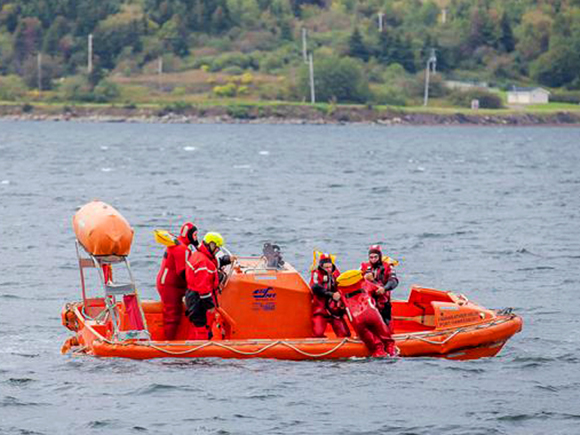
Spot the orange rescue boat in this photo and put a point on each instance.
(264, 311)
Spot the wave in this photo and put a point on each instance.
(19, 381)
(10, 401)
(17, 430)
(103, 424)
(10, 296)
(155, 389)
(528, 269)
(542, 415)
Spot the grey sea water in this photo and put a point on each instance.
(490, 212)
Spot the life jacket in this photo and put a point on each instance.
(201, 271)
(382, 271)
(323, 285)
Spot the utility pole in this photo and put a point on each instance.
(431, 64)
(381, 15)
(311, 68)
(159, 71)
(304, 46)
(39, 72)
(90, 50)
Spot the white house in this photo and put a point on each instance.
(528, 96)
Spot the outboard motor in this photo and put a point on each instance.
(273, 256)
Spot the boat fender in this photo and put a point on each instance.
(69, 344)
(69, 319)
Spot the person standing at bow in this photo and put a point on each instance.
(171, 283)
(326, 302)
(380, 271)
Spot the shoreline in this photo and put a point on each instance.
(280, 114)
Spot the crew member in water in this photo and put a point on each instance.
(171, 283)
(202, 276)
(364, 315)
(326, 301)
(379, 271)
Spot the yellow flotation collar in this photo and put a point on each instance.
(165, 238)
(348, 278)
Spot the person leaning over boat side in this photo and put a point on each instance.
(171, 283)
(202, 283)
(326, 303)
(364, 315)
(378, 271)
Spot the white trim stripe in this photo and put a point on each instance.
(199, 269)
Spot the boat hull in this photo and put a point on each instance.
(468, 342)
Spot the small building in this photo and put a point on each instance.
(528, 96)
(463, 85)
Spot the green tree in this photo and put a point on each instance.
(384, 52)
(6, 52)
(487, 100)
(27, 39)
(402, 53)
(482, 30)
(56, 31)
(533, 34)
(12, 88)
(559, 66)
(9, 16)
(51, 69)
(356, 46)
(298, 4)
(116, 32)
(506, 40)
(336, 78)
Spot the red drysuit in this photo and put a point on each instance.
(171, 283)
(324, 308)
(366, 319)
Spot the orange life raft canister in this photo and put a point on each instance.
(102, 230)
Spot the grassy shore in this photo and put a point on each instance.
(196, 109)
(192, 96)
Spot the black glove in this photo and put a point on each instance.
(225, 260)
(391, 284)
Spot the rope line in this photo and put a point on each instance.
(241, 352)
(423, 337)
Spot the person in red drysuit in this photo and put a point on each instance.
(326, 303)
(171, 283)
(379, 272)
(202, 283)
(364, 315)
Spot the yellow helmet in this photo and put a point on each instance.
(349, 277)
(216, 238)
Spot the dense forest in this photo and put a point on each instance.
(363, 49)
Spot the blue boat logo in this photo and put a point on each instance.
(267, 293)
